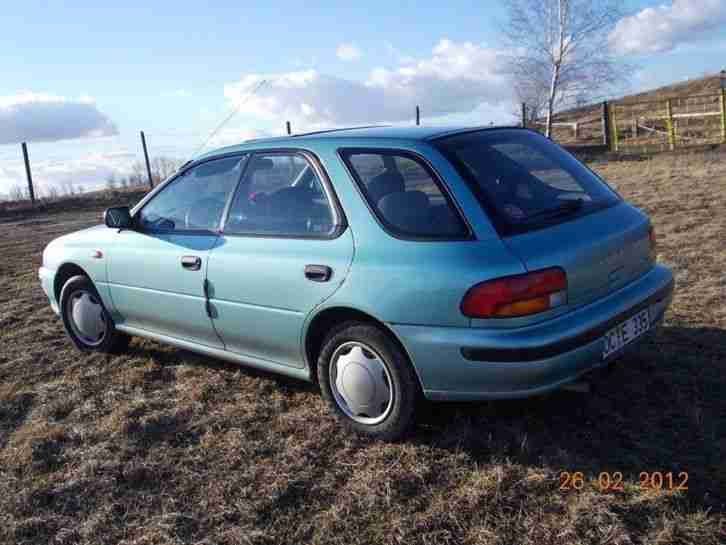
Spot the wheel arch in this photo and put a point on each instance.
(64, 273)
(327, 318)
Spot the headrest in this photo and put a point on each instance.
(289, 200)
(383, 184)
(407, 210)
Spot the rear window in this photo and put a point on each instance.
(405, 195)
(525, 181)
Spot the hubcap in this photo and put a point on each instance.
(361, 383)
(86, 317)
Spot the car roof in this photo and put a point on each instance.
(415, 132)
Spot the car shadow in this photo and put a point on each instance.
(660, 408)
(165, 356)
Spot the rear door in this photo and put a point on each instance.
(284, 249)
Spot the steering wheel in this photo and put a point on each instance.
(204, 214)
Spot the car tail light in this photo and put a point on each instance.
(653, 243)
(518, 295)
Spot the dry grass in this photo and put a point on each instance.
(163, 446)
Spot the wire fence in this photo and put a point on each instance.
(643, 126)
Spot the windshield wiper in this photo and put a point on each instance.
(565, 207)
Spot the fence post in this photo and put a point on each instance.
(669, 123)
(723, 116)
(146, 158)
(524, 115)
(418, 115)
(606, 125)
(289, 127)
(614, 137)
(31, 192)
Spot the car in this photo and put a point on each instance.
(388, 264)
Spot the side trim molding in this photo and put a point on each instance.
(300, 373)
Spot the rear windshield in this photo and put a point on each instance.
(525, 181)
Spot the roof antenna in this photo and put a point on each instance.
(231, 115)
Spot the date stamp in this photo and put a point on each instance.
(607, 481)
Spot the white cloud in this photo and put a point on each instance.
(87, 170)
(662, 28)
(348, 52)
(457, 77)
(38, 117)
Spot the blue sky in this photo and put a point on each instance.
(89, 75)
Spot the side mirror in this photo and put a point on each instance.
(118, 217)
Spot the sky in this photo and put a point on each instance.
(81, 78)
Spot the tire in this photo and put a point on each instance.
(354, 396)
(79, 290)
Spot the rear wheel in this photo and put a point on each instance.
(86, 320)
(368, 381)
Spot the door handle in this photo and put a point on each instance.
(191, 262)
(318, 273)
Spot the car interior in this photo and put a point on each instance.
(268, 201)
(410, 210)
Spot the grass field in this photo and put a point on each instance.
(163, 446)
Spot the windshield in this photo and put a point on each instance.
(523, 180)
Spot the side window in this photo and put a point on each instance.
(280, 194)
(195, 200)
(405, 195)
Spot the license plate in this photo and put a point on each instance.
(626, 332)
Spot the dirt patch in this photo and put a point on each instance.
(163, 446)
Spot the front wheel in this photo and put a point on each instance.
(86, 320)
(368, 381)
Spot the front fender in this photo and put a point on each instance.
(86, 250)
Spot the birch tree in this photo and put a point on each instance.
(559, 50)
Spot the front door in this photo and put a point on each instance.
(156, 271)
(283, 250)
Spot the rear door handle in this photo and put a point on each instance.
(318, 273)
(191, 262)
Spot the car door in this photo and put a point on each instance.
(156, 270)
(284, 248)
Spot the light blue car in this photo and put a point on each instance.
(385, 263)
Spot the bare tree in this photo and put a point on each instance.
(53, 193)
(16, 193)
(560, 50)
(163, 167)
(138, 173)
(69, 189)
(533, 93)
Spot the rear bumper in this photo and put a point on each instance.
(478, 363)
(47, 279)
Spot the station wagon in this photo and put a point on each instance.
(389, 264)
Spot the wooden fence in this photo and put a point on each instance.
(646, 126)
